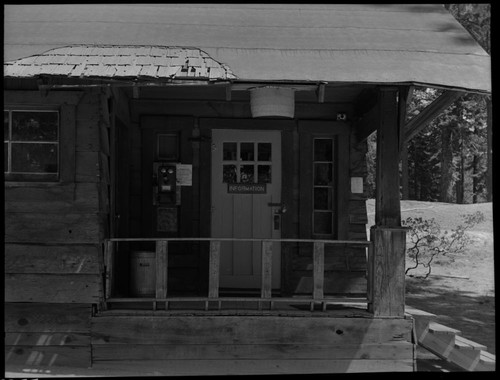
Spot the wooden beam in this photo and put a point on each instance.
(367, 124)
(161, 268)
(387, 206)
(214, 264)
(135, 92)
(405, 94)
(318, 270)
(415, 125)
(387, 263)
(109, 259)
(320, 92)
(386, 290)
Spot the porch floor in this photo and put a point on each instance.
(238, 307)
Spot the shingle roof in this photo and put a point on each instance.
(107, 61)
(359, 43)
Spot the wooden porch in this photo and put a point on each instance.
(225, 333)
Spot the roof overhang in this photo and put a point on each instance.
(273, 43)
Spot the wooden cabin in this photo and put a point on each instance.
(185, 184)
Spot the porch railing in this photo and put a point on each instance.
(161, 261)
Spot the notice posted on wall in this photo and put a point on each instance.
(184, 174)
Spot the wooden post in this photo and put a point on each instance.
(387, 206)
(387, 265)
(369, 275)
(161, 268)
(267, 257)
(213, 276)
(109, 255)
(318, 270)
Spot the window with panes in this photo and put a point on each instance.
(31, 145)
(324, 187)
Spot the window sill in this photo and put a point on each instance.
(40, 184)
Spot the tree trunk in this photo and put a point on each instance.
(489, 170)
(461, 172)
(475, 179)
(446, 185)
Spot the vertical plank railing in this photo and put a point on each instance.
(266, 270)
(369, 275)
(109, 256)
(161, 269)
(318, 272)
(214, 270)
(161, 272)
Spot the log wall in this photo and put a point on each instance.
(53, 238)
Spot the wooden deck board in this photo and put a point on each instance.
(255, 367)
(272, 329)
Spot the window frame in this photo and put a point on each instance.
(332, 188)
(65, 103)
(32, 176)
(340, 133)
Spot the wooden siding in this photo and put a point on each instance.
(50, 334)
(57, 288)
(55, 259)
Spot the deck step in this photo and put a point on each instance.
(463, 343)
(437, 328)
(486, 362)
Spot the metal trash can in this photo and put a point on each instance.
(143, 274)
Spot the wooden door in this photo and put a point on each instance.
(246, 198)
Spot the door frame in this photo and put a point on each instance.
(289, 133)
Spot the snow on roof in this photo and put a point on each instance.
(101, 61)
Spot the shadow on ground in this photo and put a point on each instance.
(472, 314)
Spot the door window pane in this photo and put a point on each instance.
(247, 174)
(229, 174)
(323, 222)
(322, 198)
(264, 152)
(264, 174)
(34, 158)
(5, 157)
(247, 151)
(322, 174)
(6, 125)
(323, 149)
(229, 151)
(34, 126)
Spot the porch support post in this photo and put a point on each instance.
(387, 264)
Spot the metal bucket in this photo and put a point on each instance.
(272, 101)
(143, 274)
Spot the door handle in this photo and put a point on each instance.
(282, 207)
